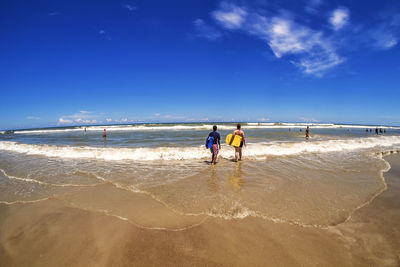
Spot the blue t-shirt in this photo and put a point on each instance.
(216, 137)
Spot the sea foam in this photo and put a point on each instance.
(255, 150)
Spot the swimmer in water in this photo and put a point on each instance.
(307, 132)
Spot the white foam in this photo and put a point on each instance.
(255, 150)
(199, 127)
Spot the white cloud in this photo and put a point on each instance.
(61, 120)
(108, 120)
(339, 18)
(79, 120)
(287, 37)
(322, 59)
(204, 30)
(82, 117)
(313, 53)
(230, 16)
(157, 114)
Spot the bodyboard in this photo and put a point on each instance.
(236, 142)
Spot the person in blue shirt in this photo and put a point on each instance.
(213, 142)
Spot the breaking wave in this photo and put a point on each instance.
(255, 150)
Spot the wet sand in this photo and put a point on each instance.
(55, 233)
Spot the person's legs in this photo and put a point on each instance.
(236, 153)
(215, 153)
(240, 153)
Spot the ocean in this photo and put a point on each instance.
(282, 178)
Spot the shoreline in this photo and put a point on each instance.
(49, 232)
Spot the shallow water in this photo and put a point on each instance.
(283, 177)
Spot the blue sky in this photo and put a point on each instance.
(93, 62)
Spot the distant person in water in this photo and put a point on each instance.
(307, 132)
(238, 150)
(376, 131)
(104, 133)
(215, 138)
(380, 130)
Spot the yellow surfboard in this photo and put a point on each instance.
(235, 142)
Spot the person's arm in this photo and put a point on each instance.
(244, 140)
(219, 143)
(233, 137)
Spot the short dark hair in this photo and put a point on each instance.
(214, 128)
(238, 126)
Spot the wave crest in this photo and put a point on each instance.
(255, 150)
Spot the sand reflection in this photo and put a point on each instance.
(236, 179)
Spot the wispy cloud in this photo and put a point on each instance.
(51, 14)
(104, 34)
(159, 116)
(79, 118)
(129, 7)
(385, 34)
(203, 30)
(109, 120)
(196, 119)
(62, 121)
(311, 50)
(230, 16)
(263, 119)
(383, 39)
(308, 119)
(122, 120)
(174, 117)
(339, 18)
(312, 6)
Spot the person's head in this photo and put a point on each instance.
(214, 128)
(104, 129)
(238, 126)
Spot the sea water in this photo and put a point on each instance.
(283, 177)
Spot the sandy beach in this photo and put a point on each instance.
(200, 133)
(53, 232)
